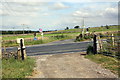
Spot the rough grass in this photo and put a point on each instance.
(45, 40)
(100, 29)
(105, 61)
(48, 39)
(91, 29)
(71, 33)
(14, 37)
(74, 32)
(12, 68)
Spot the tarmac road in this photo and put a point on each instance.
(57, 47)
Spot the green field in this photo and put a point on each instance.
(46, 39)
(72, 32)
(91, 29)
(69, 34)
(14, 37)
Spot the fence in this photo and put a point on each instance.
(107, 45)
(19, 54)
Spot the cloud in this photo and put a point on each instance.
(17, 9)
(45, 14)
(81, 14)
(30, 14)
(29, 3)
(110, 13)
(19, 14)
(25, 9)
(1, 12)
(4, 13)
(62, 0)
(23, 21)
(59, 6)
(56, 15)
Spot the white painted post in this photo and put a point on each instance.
(42, 35)
(18, 53)
(113, 40)
(40, 30)
(19, 50)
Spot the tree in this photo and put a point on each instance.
(76, 27)
(67, 28)
(107, 27)
(87, 29)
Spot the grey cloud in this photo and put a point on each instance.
(110, 13)
(18, 9)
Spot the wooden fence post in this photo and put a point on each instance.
(100, 43)
(21, 46)
(113, 40)
(95, 44)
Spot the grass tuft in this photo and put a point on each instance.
(12, 68)
(105, 61)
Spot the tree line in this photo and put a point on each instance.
(106, 26)
(17, 32)
(21, 32)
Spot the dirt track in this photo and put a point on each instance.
(71, 65)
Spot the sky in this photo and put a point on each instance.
(57, 15)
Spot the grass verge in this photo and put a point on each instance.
(34, 42)
(12, 68)
(105, 61)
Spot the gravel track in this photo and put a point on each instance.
(68, 66)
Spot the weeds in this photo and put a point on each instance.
(34, 42)
(105, 61)
(90, 50)
(12, 68)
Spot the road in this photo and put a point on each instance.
(63, 46)
(64, 65)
